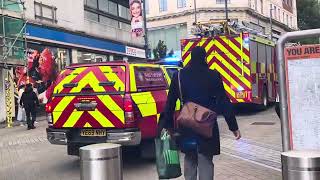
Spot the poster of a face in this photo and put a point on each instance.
(137, 23)
(41, 70)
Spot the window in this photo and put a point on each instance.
(223, 1)
(104, 5)
(279, 14)
(91, 16)
(124, 12)
(45, 12)
(255, 5)
(283, 17)
(109, 21)
(91, 3)
(291, 24)
(182, 3)
(113, 8)
(149, 78)
(287, 19)
(275, 12)
(163, 5)
(261, 4)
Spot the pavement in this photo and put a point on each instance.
(26, 155)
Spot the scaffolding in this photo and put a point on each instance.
(12, 34)
(13, 47)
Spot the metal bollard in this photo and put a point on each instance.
(101, 162)
(301, 165)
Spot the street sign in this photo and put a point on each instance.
(303, 96)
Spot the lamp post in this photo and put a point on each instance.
(271, 9)
(226, 9)
(195, 11)
(145, 29)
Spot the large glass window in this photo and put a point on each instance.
(147, 6)
(104, 5)
(113, 8)
(88, 57)
(109, 21)
(91, 3)
(91, 16)
(163, 5)
(124, 12)
(125, 26)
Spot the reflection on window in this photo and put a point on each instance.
(45, 12)
(113, 9)
(88, 57)
(182, 3)
(91, 3)
(163, 5)
(91, 16)
(108, 21)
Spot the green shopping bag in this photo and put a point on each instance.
(167, 157)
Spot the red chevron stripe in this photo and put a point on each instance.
(87, 118)
(233, 52)
(188, 50)
(63, 75)
(206, 42)
(234, 65)
(228, 84)
(109, 115)
(246, 51)
(65, 114)
(160, 98)
(214, 59)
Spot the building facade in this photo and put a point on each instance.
(171, 20)
(65, 32)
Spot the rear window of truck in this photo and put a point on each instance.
(91, 80)
(148, 78)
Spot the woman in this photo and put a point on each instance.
(21, 117)
(137, 19)
(203, 86)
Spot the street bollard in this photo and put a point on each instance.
(101, 162)
(301, 165)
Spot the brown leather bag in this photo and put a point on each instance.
(196, 117)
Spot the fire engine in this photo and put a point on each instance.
(244, 58)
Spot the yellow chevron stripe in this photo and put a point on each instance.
(68, 79)
(133, 85)
(87, 125)
(56, 115)
(187, 47)
(226, 75)
(234, 71)
(145, 103)
(187, 60)
(73, 118)
(97, 115)
(210, 44)
(61, 106)
(229, 90)
(123, 68)
(232, 57)
(119, 85)
(235, 48)
(112, 106)
(90, 79)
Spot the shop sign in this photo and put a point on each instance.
(136, 52)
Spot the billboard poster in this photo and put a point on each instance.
(137, 24)
(43, 65)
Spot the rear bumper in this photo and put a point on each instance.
(57, 136)
(126, 137)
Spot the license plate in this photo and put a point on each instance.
(240, 95)
(93, 132)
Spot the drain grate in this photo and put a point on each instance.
(264, 123)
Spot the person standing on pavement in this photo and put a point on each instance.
(21, 117)
(29, 101)
(203, 86)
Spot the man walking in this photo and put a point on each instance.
(29, 101)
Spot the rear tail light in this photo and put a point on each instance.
(128, 112)
(48, 108)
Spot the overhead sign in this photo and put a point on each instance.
(303, 87)
(135, 52)
(137, 24)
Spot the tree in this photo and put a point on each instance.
(308, 17)
(160, 51)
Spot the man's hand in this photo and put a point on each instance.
(237, 134)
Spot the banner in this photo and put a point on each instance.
(43, 65)
(137, 24)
